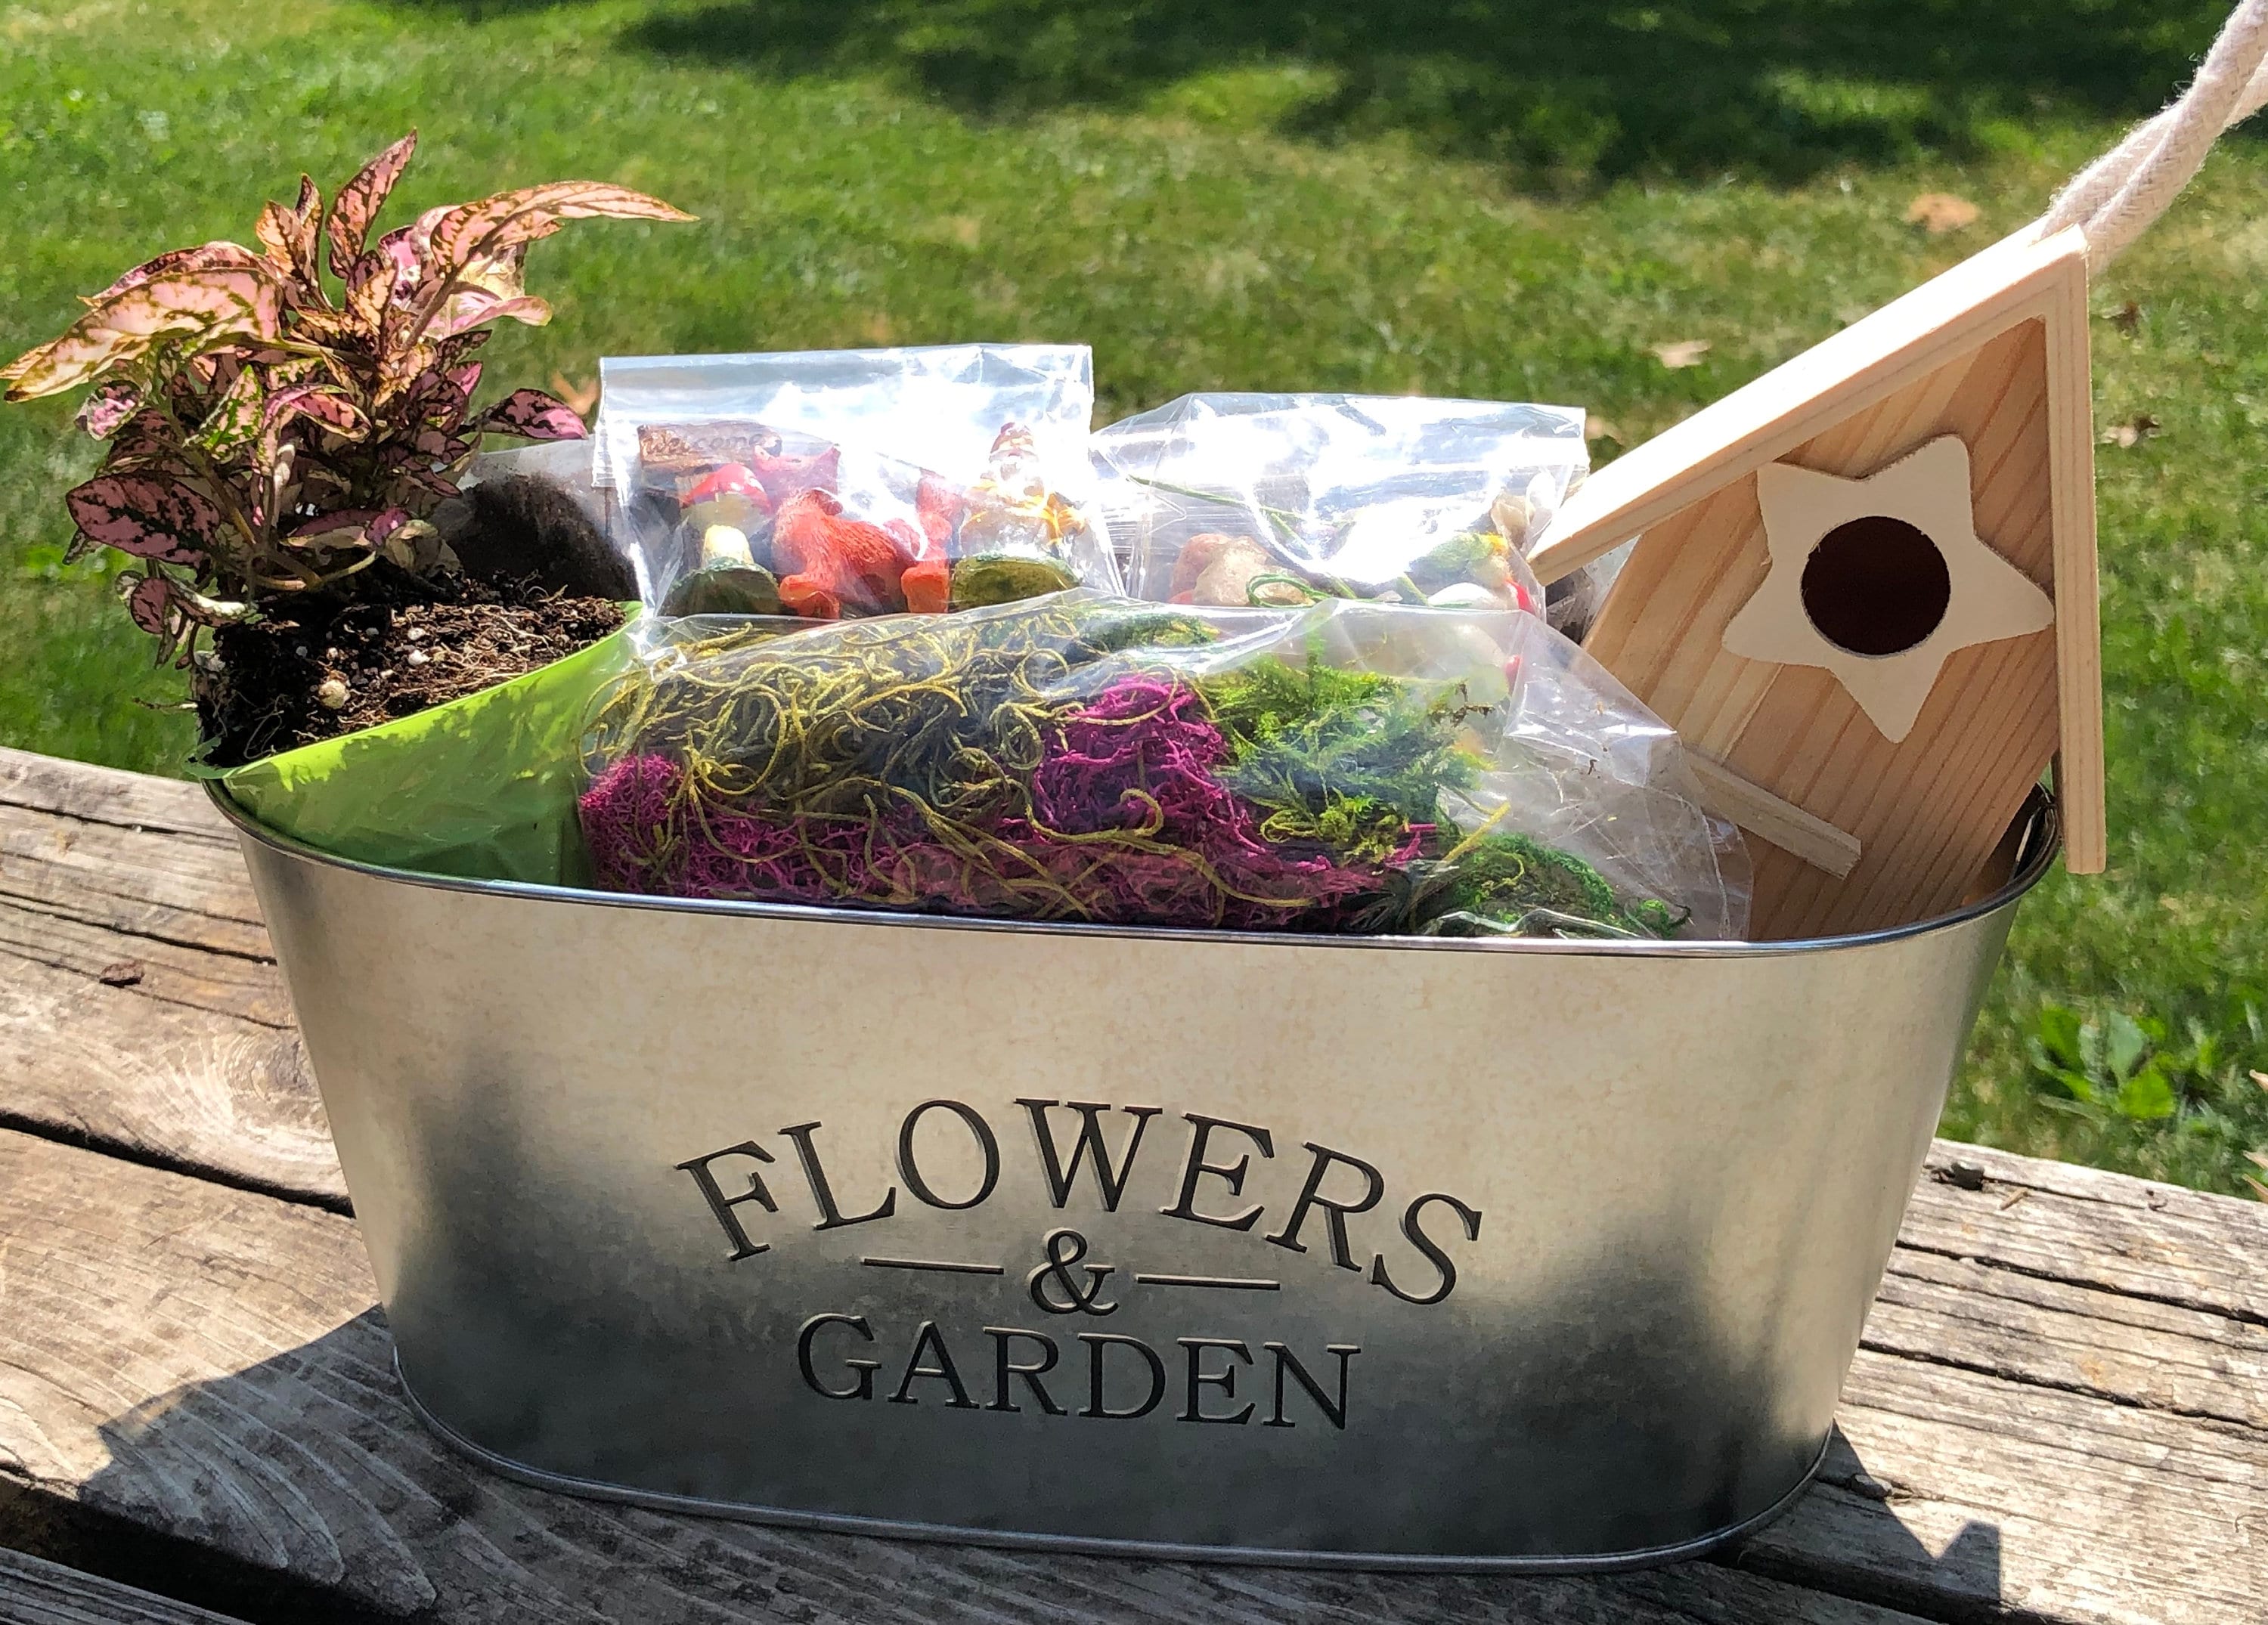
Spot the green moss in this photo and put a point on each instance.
(1347, 759)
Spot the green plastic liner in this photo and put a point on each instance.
(482, 788)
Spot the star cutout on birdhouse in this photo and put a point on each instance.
(1880, 580)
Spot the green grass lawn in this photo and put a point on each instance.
(1515, 201)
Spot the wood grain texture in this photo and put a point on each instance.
(2022, 1440)
(1786, 825)
(34, 1592)
(2081, 776)
(1928, 810)
(197, 1362)
(140, 1004)
(1846, 406)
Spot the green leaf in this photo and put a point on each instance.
(2124, 1044)
(2091, 1059)
(2147, 1096)
(2055, 1032)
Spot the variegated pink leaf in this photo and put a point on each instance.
(533, 415)
(147, 599)
(323, 403)
(289, 234)
(408, 249)
(236, 418)
(476, 307)
(440, 448)
(215, 256)
(195, 605)
(489, 228)
(108, 410)
(403, 371)
(504, 273)
(349, 528)
(370, 287)
(385, 524)
(207, 306)
(429, 479)
(144, 439)
(152, 516)
(438, 400)
(359, 201)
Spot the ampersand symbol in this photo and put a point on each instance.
(1065, 1248)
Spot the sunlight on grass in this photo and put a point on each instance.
(1504, 201)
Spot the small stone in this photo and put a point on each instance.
(417, 656)
(123, 974)
(299, 650)
(1965, 1176)
(332, 695)
(1867, 1485)
(416, 633)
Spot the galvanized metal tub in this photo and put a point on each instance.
(1441, 1255)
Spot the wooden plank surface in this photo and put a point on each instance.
(2060, 1412)
(184, 1359)
(140, 1004)
(33, 1592)
(204, 1363)
(36, 1592)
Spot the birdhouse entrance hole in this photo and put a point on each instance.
(1876, 585)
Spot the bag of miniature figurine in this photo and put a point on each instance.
(1250, 499)
(836, 484)
(1346, 767)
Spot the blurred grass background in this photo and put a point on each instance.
(1493, 198)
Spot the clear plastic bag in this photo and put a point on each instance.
(835, 483)
(539, 502)
(1240, 499)
(1346, 768)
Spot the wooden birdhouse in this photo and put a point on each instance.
(1864, 593)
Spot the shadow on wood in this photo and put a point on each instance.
(302, 1487)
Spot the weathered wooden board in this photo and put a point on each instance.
(202, 1361)
(35, 1592)
(140, 1005)
(194, 1361)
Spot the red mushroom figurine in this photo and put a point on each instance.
(732, 496)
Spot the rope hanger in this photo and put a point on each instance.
(2114, 200)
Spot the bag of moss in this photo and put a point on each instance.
(832, 484)
(482, 788)
(1247, 499)
(1343, 768)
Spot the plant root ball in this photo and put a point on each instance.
(523, 527)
